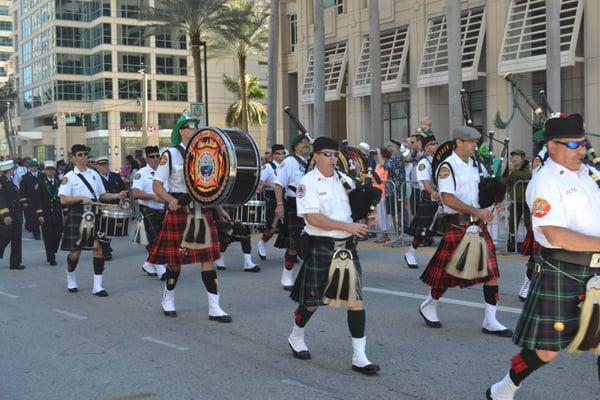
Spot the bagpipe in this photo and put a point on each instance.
(364, 197)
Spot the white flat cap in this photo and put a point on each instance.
(49, 164)
(364, 146)
(102, 160)
(6, 165)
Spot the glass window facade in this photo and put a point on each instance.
(6, 26)
(132, 89)
(133, 62)
(85, 11)
(130, 8)
(4, 55)
(4, 10)
(130, 35)
(171, 91)
(98, 146)
(96, 121)
(130, 121)
(67, 36)
(169, 65)
(5, 41)
(165, 41)
(167, 121)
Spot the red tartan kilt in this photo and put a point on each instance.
(167, 246)
(530, 246)
(435, 274)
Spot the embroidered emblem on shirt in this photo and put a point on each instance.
(64, 180)
(164, 159)
(137, 176)
(444, 172)
(540, 208)
(301, 191)
(422, 167)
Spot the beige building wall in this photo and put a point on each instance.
(350, 116)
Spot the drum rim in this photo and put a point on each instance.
(256, 162)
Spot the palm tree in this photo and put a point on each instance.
(194, 17)
(256, 110)
(249, 36)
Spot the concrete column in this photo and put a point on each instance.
(592, 68)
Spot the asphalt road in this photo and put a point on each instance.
(57, 345)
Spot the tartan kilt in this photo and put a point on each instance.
(270, 205)
(553, 297)
(424, 217)
(313, 276)
(530, 246)
(152, 222)
(71, 233)
(435, 274)
(167, 246)
(292, 226)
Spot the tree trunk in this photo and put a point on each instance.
(197, 60)
(273, 63)
(243, 92)
(320, 125)
(376, 135)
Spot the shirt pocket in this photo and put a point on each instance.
(328, 204)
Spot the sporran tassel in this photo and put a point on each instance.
(588, 335)
(469, 260)
(196, 235)
(333, 287)
(343, 288)
(86, 230)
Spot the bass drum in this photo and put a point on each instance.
(222, 166)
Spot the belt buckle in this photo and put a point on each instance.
(595, 260)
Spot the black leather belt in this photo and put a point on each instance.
(589, 259)
(461, 219)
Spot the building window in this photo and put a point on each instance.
(5, 41)
(26, 49)
(132, 62)
(67, 36)
(6, 26)
(70, 64)
(338, 4)
(335, 69)
(130, 35)
(27, 77)
(182, 41)
(70, 90)
(293, 23)
(86, 11)
(4, 10)
(167, 121)
(130, 8)
(169, 65)
(163, 40)
(100, 62)
(131, 121)
(96, 121)
(101, 89)
(396, 117)
(132, 89)
(2, 71)
(4, 56)
(171, 91)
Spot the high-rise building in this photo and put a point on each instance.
(80, 72)
(6, 44)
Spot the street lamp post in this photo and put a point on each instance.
(203, 44)
(10, 133)
(144, 106)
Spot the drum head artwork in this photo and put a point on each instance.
(207, 165)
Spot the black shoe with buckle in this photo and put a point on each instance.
(300, 355)
(256, 268)
(102, 293)
(370, 369)
(222, 318)
(505, 333)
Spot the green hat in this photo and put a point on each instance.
(33, 163)
(484, 150)
(175, 136)
(297, 139)
(538, 136)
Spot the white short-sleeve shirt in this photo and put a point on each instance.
(72, 185)
(466, 176)
(289, 173)
(268, 174)
(560, 197)
(424, 171)
(143, 181)
(175, 181)
(318, 194)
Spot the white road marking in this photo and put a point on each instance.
(313, 389)
(162, 342)
(12, 296)
(443, 299)
(70, 314)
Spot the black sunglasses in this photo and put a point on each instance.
(153, 156)
(573, 145)
(328, 153)
(191, 125)
(81, 154)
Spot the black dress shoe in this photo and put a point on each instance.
(17, 267)
(170, 313)
(288, 288)
(256, 268)
(73, 290)
(505, 333)
(370, 369)
(221, 268)
(262, 257)
(300, 355)
(429, 323)
(102, 293)
(52, 262)
(221, 318)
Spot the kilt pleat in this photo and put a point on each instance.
(435, 274)
(313, 276)
(167, 246)
(553, 297)
(292, 226)
(152, 222)
(424, 217)
(71, 231)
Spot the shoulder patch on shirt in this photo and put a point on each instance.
(537, 161)
(422, 166)
(137, 176)
(444, 172)
(64, 180)
(540, 208)
(164, 159)
(301, 191)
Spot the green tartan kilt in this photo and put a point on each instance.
(71, 234)
(313, 276)
(553, 297)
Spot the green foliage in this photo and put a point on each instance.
(256, 110)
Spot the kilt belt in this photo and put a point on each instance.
(551, 316)
(313, 277)
(590, 259)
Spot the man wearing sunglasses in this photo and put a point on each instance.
(79, 188)
(268, 174)
(152, 208)
(289, 173)
(324, 204)
(169, 185)
(564, 198)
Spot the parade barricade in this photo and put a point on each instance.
(518, 218)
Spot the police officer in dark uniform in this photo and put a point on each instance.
(30, 191)
(49, 211)
(113, 184)
(11, 211)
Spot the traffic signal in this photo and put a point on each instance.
(54, 122)
(82, 117)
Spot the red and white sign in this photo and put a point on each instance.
(151, 128)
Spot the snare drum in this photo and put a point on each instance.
(114, 221)
(253, 213)
(222, 167)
